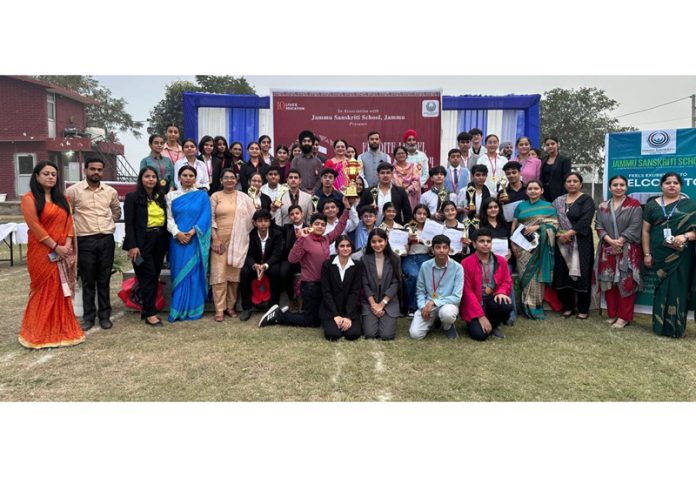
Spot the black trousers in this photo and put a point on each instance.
(311, 299)
(568, 300)
(95, 260)
(247, 275)
(333, 333)
(153, 251)
(496, 313)
(287, 273)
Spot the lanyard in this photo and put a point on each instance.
(493, 167)
(664, 210)
(159, 166)
(439, 281)
(177, 155)
(209, 165)
(486, 272)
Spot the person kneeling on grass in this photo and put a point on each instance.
(438, 292)
(341, 281)
(310, 250)
(487, 284)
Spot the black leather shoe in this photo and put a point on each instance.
(86, 325)
(105, 323)
(245, 315)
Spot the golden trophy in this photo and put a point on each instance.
(502, 190)
(467, 224)
(374, 193)
(315, 202)
(352, 170)
(252, 192)
(471, 190)
(279, 199)
(476, 222)
(412, 227)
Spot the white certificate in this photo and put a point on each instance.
(430, 230)
(398, 239)
(455, 236)
(519, 239)
(500, 247)
(509, 210)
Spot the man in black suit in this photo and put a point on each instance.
(289, 270)
(385, 191)
(263, 258)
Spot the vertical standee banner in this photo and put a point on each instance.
(643, 157)
(351, 116)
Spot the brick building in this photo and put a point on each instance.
(40, 121)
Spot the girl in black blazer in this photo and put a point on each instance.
(554, 169)
(339, 311)
(147, 239)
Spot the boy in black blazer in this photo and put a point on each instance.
(263, 258)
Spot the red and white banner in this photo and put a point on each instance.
(351, 116)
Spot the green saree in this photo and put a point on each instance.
(673, 275)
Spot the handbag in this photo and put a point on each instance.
(260, 290)
(130, 295)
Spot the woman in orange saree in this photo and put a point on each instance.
(49, 319)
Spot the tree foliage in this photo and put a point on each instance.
(110, 114)
(579, 118)
(171, 108)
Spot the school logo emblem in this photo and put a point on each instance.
(661, 141)
(431, 108)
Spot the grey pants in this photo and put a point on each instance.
(384, 328)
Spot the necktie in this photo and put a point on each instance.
(456, 179)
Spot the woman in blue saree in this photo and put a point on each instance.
(189, 222)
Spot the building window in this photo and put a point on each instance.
(51, 115)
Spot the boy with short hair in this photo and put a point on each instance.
(438, 292)
(486, 302)
(310, 250)
(465, 198)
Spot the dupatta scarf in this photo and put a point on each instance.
(189, 263)
(538, 263)
(622, 269)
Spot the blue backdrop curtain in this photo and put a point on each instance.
(243, 114)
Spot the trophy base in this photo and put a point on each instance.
(351, 192)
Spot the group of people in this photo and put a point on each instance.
(241, 230)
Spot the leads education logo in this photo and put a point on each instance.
(660, 141)
(431, 108)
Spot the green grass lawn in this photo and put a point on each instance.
(554, 360)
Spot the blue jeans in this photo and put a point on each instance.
(411, 265)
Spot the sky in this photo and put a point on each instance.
(634, 93)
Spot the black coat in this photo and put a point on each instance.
(399, 199)
(274, 248)
(289, 239)
(135, 219)
(340, 298)
(215, 176)
(553, 182)
(248, 169)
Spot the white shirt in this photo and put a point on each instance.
(272, 193)
(430, 199)
(202, 178)
(263, 242)
(342, 271)
(381, 200)
(352, 224)
(496, 167)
